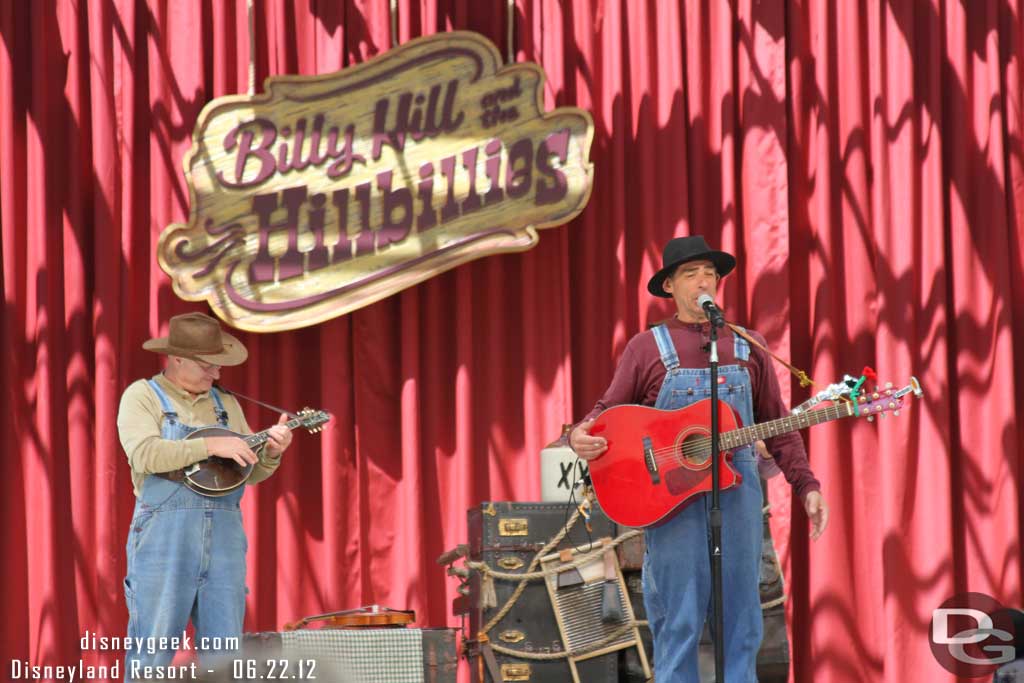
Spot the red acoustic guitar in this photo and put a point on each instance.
(658, 461)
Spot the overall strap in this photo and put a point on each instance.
(165, 402)
(740, 346)
(666, 348)
(222, 413)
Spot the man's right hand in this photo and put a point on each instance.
(586, 446)
(230, 447)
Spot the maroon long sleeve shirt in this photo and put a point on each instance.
(640, 374)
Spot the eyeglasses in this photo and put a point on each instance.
(204, 366)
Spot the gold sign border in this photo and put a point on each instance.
(496, 240)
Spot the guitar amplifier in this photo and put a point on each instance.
(507, 537)
(339, 655)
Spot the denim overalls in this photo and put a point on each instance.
(186, 558)
(677, 568)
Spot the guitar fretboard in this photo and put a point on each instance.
(790, 423)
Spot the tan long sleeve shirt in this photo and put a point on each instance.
(140, 418)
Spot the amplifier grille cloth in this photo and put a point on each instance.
(366, 655)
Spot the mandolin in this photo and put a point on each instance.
(216, 476)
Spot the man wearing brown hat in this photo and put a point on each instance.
(667, 367)
(186, 552)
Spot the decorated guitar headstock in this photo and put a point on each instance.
(312, 420)
(883, 401)
(833, 392)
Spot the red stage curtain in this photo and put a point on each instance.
(863, 160)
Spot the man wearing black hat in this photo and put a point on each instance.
(186, 552)
(667, 367)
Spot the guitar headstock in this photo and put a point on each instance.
(886, 400)
(833, 392)
(312, 420)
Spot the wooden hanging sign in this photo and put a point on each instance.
(328, 193)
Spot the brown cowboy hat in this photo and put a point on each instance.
(683, 249)
(199, 337)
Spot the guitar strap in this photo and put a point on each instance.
(259, 403)
(800, 374)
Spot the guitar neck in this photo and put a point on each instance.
(791, 423)
(260, 438)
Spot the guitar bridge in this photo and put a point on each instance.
(650, 461)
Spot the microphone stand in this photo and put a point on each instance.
(715, 516)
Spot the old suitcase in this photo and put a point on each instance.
(507, 536)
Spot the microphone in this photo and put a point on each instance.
(713, 313)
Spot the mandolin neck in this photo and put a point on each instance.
(259, 438)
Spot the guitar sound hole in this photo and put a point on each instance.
(691, 455)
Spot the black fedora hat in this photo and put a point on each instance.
(682, 249)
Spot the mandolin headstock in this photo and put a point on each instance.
(312, 420)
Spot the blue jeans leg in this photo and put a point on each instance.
(677, 584)
(677, 587)
(742, 528)
(160, 588)
(219, 611)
